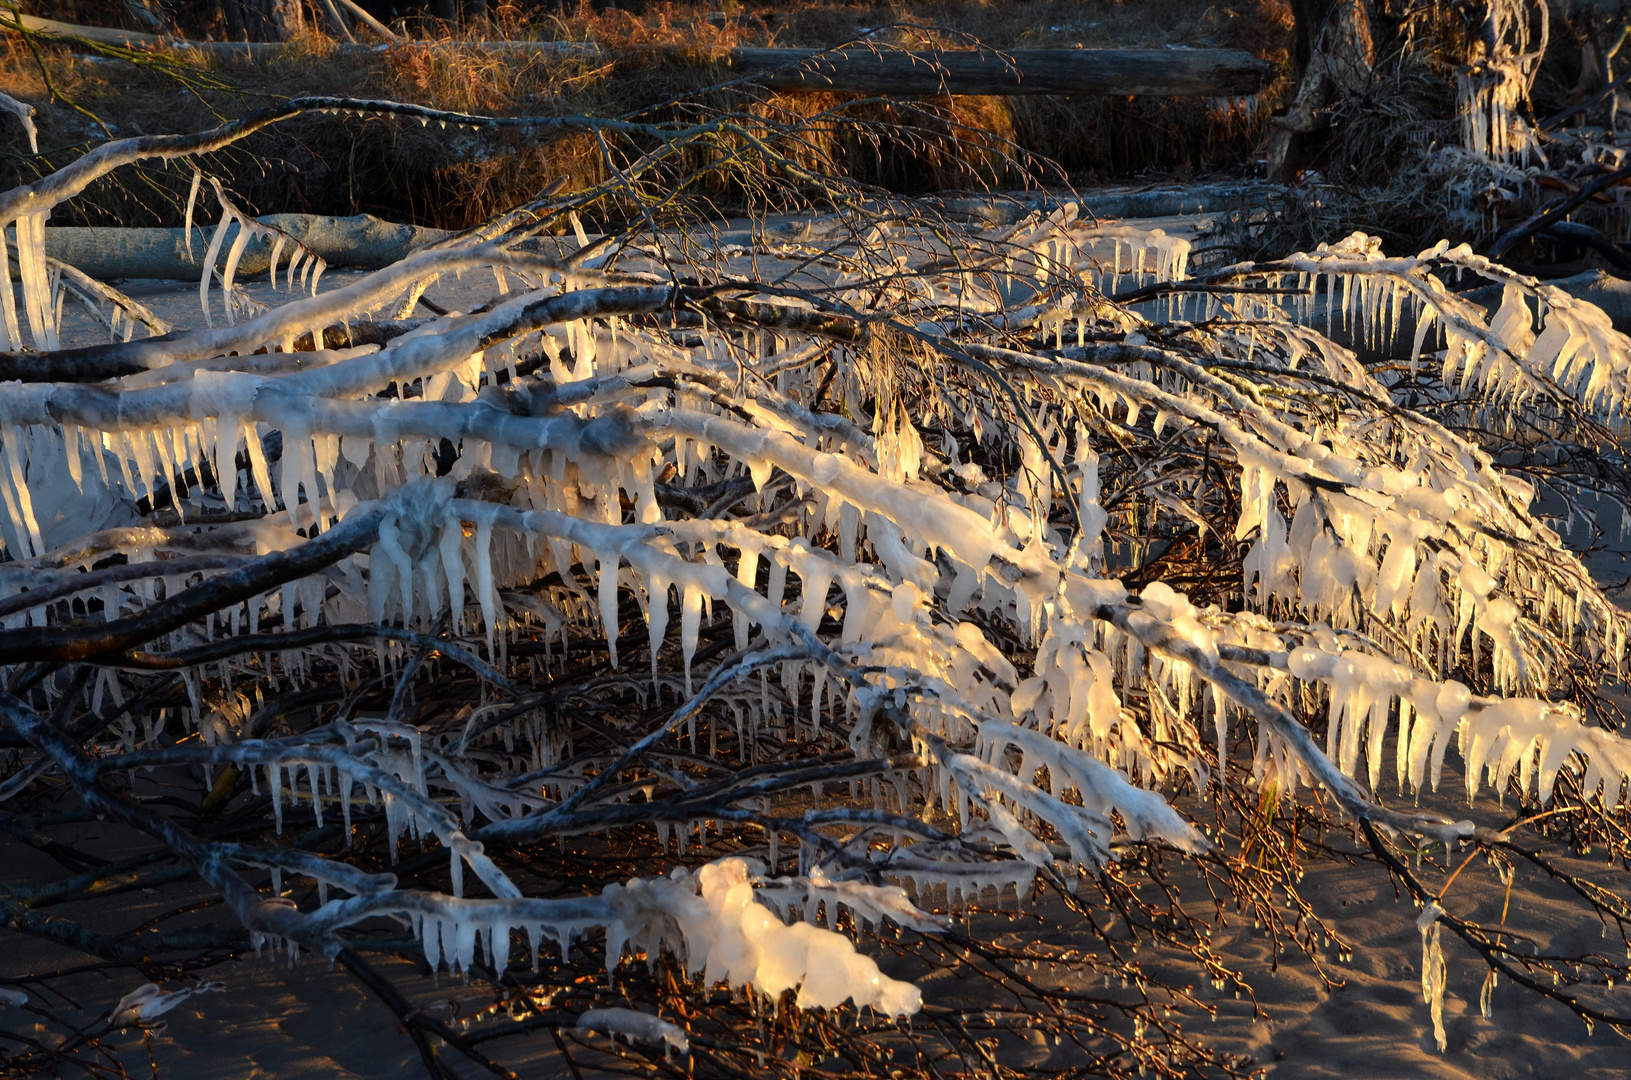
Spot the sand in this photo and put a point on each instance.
(278, 1021)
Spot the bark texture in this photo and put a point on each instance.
(1334, 55)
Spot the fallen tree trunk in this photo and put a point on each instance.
(361, 240)
(1612, 294)
(366, 241)
(1128, 204)
(105, 35)
(865, 70)
(1158, 72)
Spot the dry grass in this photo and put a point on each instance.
(327, 165)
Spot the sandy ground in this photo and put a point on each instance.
(280, 1021)
(308, 1020)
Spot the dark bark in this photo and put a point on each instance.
(269, 20)
(1307, 18)
(1333, 54)
(41, 643)
(1555, 211)
(1578, 234)
(233, 17)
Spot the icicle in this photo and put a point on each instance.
(1433, 975)
(316, 798)
(486, 591)
(451, 550)
(342, 782)
(258, 467)
(14, 446)
(274, 784)
(210, 256)
(271, 268)
(187, 218)
(32, 269)
(234, 253)
(8, 300)
(608, 600)
(71, 451)
(690, 625)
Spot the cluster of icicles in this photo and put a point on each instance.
(248, 229)
(439, 550)
(1489, 101)
(1491, 91)
(711, 919)
(724, 921)
(45, 283)
(895, 539)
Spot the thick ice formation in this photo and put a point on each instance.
(1145, 814)
(724, 933)
(1491, 91)
(25, 116)
(709, 919)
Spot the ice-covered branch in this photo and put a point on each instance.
(256, 913)
(247, 580)
(1277, 723)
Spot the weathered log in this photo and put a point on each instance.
(1612, 294)
(877, 71)
(1160, 72)
(1117, 203)
(361, 240)
(370, 243)
(105, 35)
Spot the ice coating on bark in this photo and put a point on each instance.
(870, 904)
(148, 1002)
(25, 116)
(393, 777)
(1147, 816)
(1433, 973)
(635, 1027)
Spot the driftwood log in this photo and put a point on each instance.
(1159, 72)
(360, 240)
(365, 241)
(876, 71)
